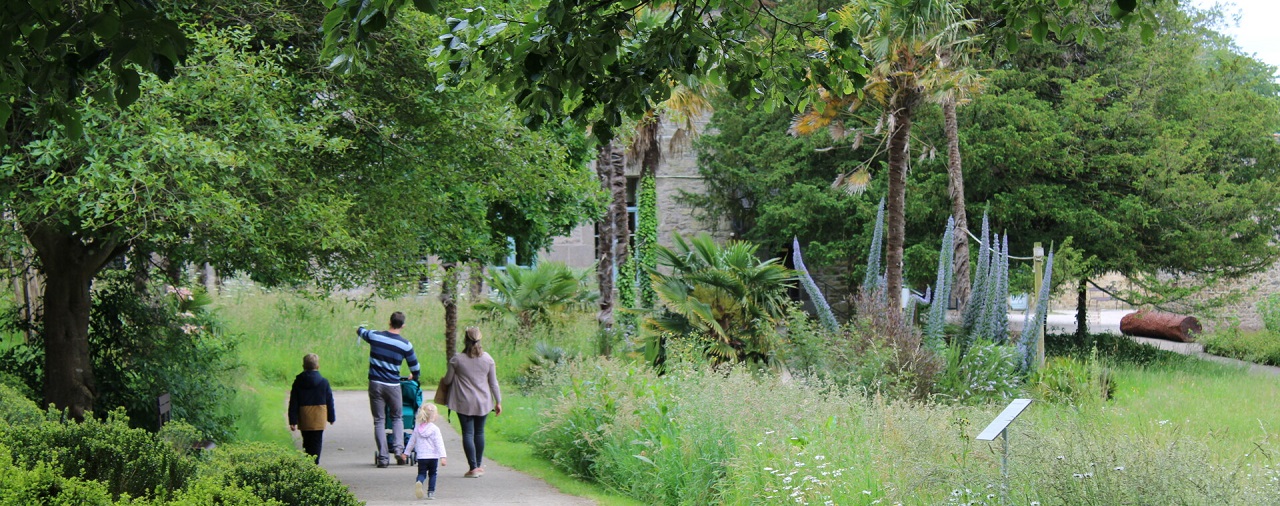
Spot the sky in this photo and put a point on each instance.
(1257, 32)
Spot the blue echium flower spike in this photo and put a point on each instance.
(825, 315)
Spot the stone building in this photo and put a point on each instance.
(677, 174)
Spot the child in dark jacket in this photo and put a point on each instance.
(310, 405)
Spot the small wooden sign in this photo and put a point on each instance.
(1005, 418)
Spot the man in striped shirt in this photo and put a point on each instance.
(386, 349)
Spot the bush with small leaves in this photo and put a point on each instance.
(42, 484)
(1261, 347)
(124, 459)
(279, 474)
(17, 409)
(1114, 348)
(1269, 310)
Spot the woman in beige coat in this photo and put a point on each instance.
(473, 393)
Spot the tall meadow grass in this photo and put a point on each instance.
(699, 437)
(276, 328)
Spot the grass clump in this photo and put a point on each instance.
(1262, 347)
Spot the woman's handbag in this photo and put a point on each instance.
(442, 393)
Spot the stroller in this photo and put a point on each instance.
(410, 400)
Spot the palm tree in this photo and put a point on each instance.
(612, 230)
(903, 38)
(683, 107)
(952, 84)
(535, 295)
(725, 296)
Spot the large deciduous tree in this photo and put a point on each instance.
(253, 160)
(194, 164)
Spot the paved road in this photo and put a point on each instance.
(348, 454)
(1108, 321)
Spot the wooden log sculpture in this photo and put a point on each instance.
(1168, 326)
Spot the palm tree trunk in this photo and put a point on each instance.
(612, 230)
(955, 187)
(902, 106)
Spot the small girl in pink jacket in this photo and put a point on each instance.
(429, 445)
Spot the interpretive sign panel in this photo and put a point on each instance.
(1004, 419)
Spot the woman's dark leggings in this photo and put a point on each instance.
(472, 438)
(427, 468)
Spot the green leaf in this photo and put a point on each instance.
(332, 19)
(1117, 11)
(1039, 30)
(69, 118)
(427, 6)
(1011, 42)
(127, 82)
(1148, 33)
(843, 39)
(106, 24)
(375, 22)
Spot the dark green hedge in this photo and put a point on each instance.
(46, 460)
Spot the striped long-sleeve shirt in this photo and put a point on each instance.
(386, 350)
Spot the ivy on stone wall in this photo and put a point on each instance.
(627, 291)
(646, 239)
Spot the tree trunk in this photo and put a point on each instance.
(28, 290)
(208, 277)
(955, 187)
(611, 231)
(449, 299)
(69, 266)
(902, 106)
(1160, 325)
(1082, 310)
(477, 281)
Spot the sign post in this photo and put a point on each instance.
(1037, 278)
(999, 428)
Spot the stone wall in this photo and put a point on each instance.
(1244, 312)
(677, 172)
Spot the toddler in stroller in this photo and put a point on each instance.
(410, 400)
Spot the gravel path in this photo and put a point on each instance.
(348, 455)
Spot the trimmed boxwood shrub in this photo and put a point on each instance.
(45, 486)
(47, 460)
(127, 461)
(16, 409)
(280, 474)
